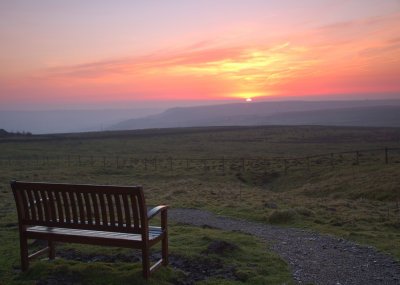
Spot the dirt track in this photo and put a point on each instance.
(313, 258)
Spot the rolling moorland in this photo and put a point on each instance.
(367, 113)
(341, 181)
(372, 113)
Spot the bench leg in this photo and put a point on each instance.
(52, 251)
(23, 241)
(164, 249)
(146, 262)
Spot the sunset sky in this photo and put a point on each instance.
(58, 53)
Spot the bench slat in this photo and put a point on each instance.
(119, 210)
(88, 207)
(103, 209)
(95, 208)
(66, 207)
(32, 204)
(45, 205)
(81, 209)
(73, 206)
(25, 202)
(135, 212)
(59, 206)
(153, 233)
(111, 209)
(38, 204)
(51, 202)
(127, 213)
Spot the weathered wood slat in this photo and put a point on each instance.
(103, 209)
(32, 204)
(154, 233)
(67, 207)
(73, 206)
(26, 207)
(38, 204)
(95, 208)
(59, 206)
(88, 208)
(127, 213)
(119, 211)
(45, 203)
(81, 209)
(110, 204)
(135, 212)
(51, 202)
(52, 205)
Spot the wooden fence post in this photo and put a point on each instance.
(386, 155)
(357, 157)
(285, 165)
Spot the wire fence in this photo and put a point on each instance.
(379, 156)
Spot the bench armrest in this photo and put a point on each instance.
(153, 212)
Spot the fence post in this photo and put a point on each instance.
(386, 155)
(285, 165)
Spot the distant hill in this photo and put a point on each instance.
(65, 121)
(340, 113)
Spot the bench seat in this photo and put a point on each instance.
(91, 236)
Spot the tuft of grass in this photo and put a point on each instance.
(282, 216)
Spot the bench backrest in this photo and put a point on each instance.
(92, 207)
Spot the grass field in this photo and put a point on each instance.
(342, 195)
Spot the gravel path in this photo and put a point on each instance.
(313, 258)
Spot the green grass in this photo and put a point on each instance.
(252, 262)
(356, 201)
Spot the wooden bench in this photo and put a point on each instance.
(88, 214)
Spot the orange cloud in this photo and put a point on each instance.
(345, 57)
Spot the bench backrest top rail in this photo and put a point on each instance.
(95, 207)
